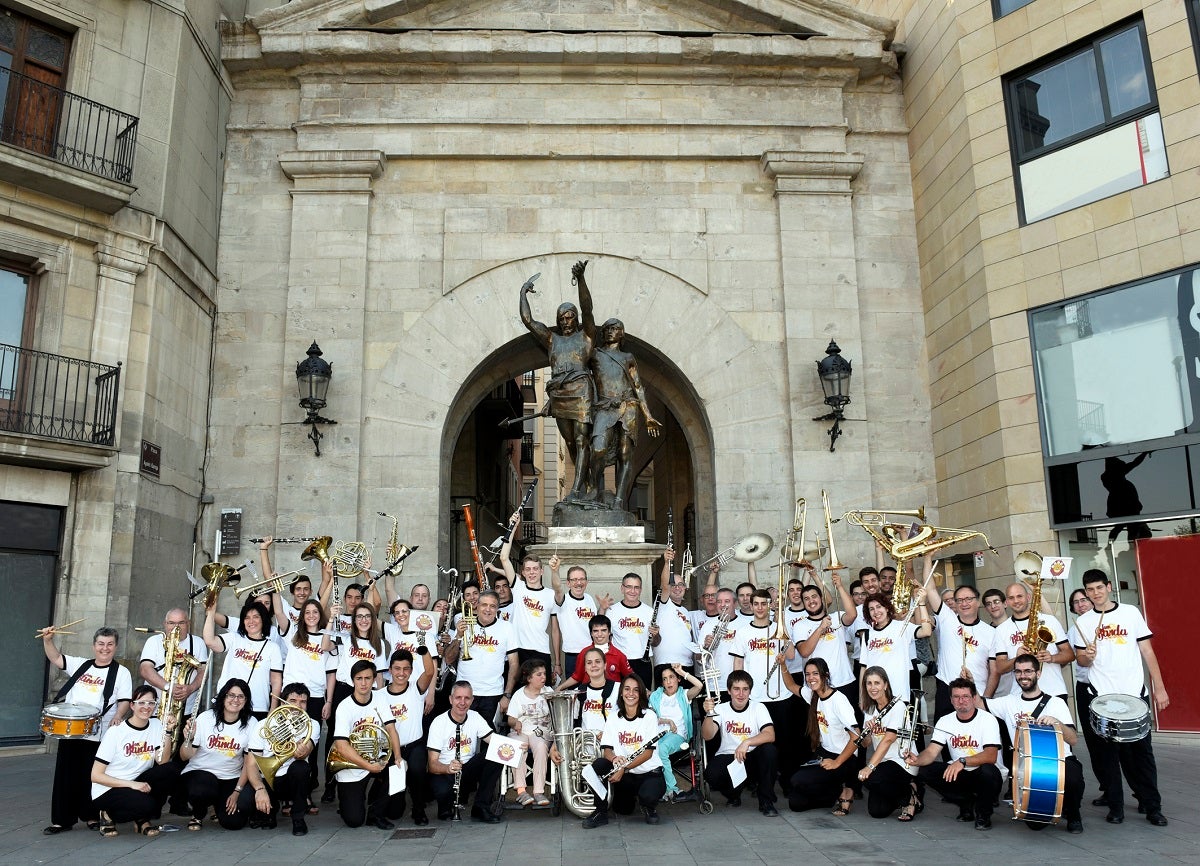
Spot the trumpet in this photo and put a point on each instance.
(268, 585)
(285, 540)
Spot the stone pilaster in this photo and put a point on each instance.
(327, 290)
(820, 301)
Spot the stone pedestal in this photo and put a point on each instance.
(607, 553)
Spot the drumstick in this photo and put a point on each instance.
(58, 629)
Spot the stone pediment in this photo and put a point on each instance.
(819, 18)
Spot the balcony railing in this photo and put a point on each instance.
(57, 397)
(533, 533)
(66, 127)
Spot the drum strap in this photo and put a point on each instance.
(1041, 705)
(110, 683)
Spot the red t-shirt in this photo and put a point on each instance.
(616, 665)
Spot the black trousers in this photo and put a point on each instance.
(204, 790)
(644, 670)
(359, 805)
(889, 787)
(341, 691)
(1083, 703)
(71, 799)
(486, 706)
(479, 774)
(1136, 762)
(633, 789)
(524, 655)
(789, 749)
(292, 786)
(416, 760)
(126, 804)
(761, 766)
(976, 788)
(314, 709)
(813, 787)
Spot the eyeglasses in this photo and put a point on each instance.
(631, 586)
(174, 622)
(363, 616)
(235, 696)
(145, 703)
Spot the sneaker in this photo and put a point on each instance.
(686, 796)
(1075, 827)
(596, 819)
(541, 800)
(299, 827)
(983, 822)
(525, 800)
(651, 814)
(769, 810)
(419, 818)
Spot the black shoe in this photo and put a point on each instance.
(734, 802)
(983, 823)
(596, 819)
(1102, 800)
(54, 830)
(1075, 827)
(686, 796)
(1158, 819)
(299, 828)
(383, 823)
(484, 816)
(328, 796)
(418, 817)
(1115, 817)
(651, 815)
(965, 815)
(271, 823)
(769, 811)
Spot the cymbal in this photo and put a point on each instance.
(753, 547)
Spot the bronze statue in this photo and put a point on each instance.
(571, 390)
(620, 398)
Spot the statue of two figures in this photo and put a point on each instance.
(596, 397)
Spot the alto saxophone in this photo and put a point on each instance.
(1037, 635)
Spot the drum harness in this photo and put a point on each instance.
(110, 683)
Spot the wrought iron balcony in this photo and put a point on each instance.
(533, 533)
(66, 127)
(57, 397)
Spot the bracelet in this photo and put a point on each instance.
(238, 788)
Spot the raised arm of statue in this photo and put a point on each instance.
(587, 317)
(535, 327)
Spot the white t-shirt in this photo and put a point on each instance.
(261, 746)
(738, 726)
(625, 736)
(488, 665)
(407, 640)
(675, 633)
(89, 689)
(1009, 641)
(309, 665)
(505, 613)
(349, 654)
(893, 720)
(722, 655)
(573, 616)
(353, 716)
(193, 645)
(530, 712)
(1118, 665)
(631, 628)
(757, 650)
(128, 752)
(670, 709)
(965, 739)
(1081, 673)
(892, 648)
(531, 612)
(595, 709)
(219, 749)
(442, 734)
(952, 632)
(407, 709)
(834, 716)
(831, 647)
(1014, 709)
(252, 661)
(699, 619)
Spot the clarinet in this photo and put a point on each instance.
(653, 623)
(457, 813)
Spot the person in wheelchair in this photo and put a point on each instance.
(674, 708)
(529, 721)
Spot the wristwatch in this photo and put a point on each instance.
(963, 760)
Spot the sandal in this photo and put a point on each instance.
(195, 824)
(108, 827)
(145, 828)
(541, 800)
(313, 810)
(907, 813)
(843, 806)
(93, 825)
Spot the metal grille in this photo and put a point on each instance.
(58, 397)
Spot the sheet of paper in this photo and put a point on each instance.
(506, 750)
(397, 778)
(737, 772)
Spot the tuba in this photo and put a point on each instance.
(1028, 566)
(578, 749)
(370, 741)
(178, 669)
(285, 728)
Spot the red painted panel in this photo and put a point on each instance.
(1166, 567)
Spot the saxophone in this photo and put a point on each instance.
(578, 749)
(1037, 635)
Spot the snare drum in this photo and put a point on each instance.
(1039, 774)
(70, 721)
(1120, 718)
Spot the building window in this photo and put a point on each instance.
(1000, 8)
(1085, 125)
(1118, 381)
(33, 65)
(16, 321)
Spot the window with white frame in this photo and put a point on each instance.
(1085, 125)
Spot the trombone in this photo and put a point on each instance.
(792, 549)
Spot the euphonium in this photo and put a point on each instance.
(370, 741)
(578, 749)
(285, 728)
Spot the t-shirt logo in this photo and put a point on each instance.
(584, 613)
(141, 749)
(965, 743)
(629, 739)
(224, 743)
(533, 606)
(759, 644)
(485, 642)
(739, 730)
(631, 623)
(880, 644)
(1113, 632)
(968, 638)
(400, 712)
(822, 721)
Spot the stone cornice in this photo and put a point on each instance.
(811, 173)
(332, 171)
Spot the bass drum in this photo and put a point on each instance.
(70, 721)
(1039, 774)
(1120, 718)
